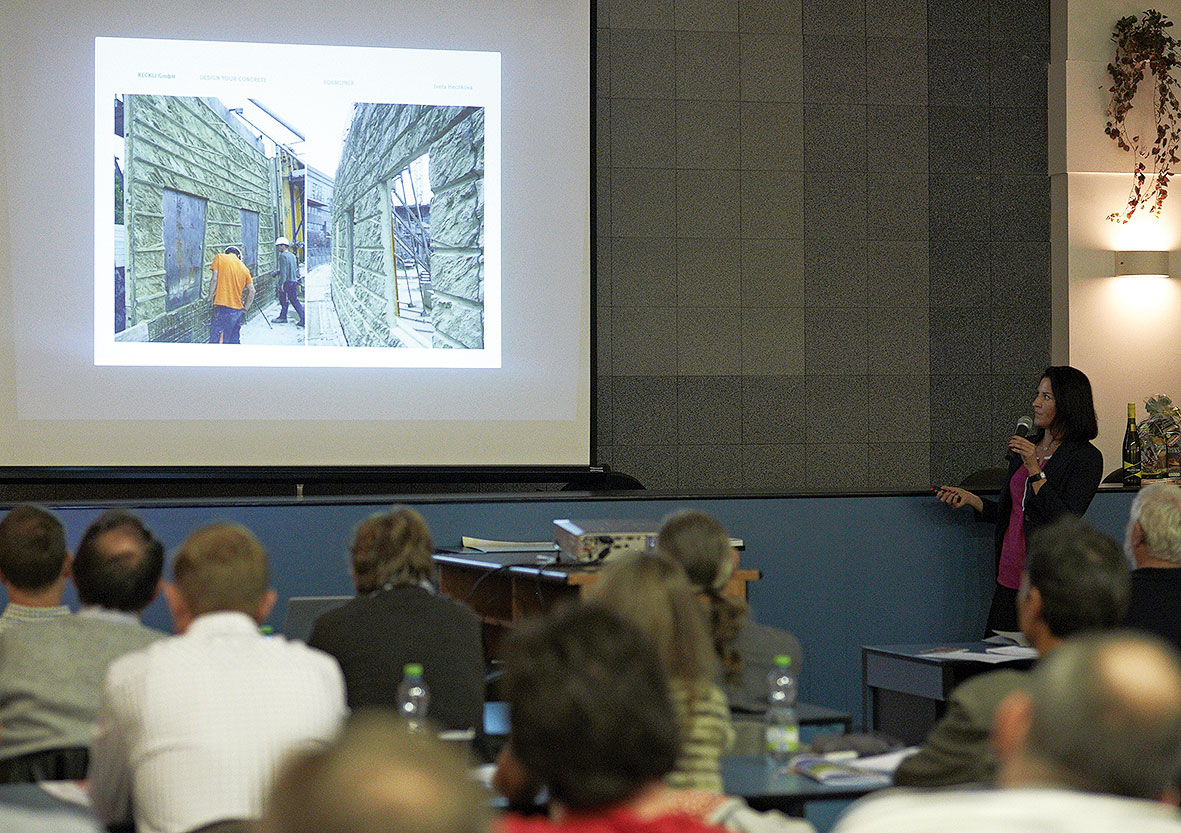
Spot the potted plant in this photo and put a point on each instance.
(1145, 50)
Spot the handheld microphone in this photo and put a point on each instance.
(1024, 429)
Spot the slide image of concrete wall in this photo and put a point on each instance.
(197, 178)
(407, 228)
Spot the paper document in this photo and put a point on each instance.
(1015, 651)
(972, 656)
(835, 773)
(486, 545)
(1008, 638)
(73, 792)
(887, 762)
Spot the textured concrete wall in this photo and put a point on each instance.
(822, 239)
(186, 145)
(383, 140)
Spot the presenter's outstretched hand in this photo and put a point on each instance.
(956, 497)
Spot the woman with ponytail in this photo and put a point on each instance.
(746, 650)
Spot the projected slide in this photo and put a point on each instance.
(296, 206)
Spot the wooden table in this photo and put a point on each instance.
(506, 587)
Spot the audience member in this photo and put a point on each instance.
(397, 618)
(34, 565)
(1075, 580)
(377, 777)
(1091, 747)
(747, 650)
(1153, 544)
(51, 676)
(191, 729)
(653, 593)
(593, 722)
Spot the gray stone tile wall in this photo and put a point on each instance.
(822, 256)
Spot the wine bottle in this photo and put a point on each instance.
(1131, 449)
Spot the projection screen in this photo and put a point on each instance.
(407, 186)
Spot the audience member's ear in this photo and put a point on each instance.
(1136, 535)
(68, 565)
(1029, 610)
(178, 606)
(266, 605)
(1011, 724)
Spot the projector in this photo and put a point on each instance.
(596, 541)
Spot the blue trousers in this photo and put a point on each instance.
(226, 326)
(290, 295)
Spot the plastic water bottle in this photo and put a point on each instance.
(783, 724)
(413, 697)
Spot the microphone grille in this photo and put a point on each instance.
(1025, 426)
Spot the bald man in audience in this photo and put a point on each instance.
(34, 565)
(51, 675)
(377, 777)
(1075, 580)
(1091, 746)
(1153, 543)
(192, 730)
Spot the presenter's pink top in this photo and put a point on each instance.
(1013, 547)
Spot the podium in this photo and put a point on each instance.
(506, 587)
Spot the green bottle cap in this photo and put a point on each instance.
(782, 661)
(266, 630)
(412, 669)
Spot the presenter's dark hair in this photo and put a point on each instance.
(116, 577)
(592, 718)
(1074, 406)
(32, 547)
(1081, 575)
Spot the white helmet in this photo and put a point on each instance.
(282, 241)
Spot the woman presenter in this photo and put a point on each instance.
(1055, 471)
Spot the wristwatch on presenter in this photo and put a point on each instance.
(1041, 475)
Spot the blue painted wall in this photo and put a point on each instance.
(840, 572)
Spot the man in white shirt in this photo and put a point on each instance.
(1093, 746)
(193, 728)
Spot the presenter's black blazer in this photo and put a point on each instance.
(1073, 473)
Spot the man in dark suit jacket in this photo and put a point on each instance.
(1075, 580)
(397, 618)
(1153, 543)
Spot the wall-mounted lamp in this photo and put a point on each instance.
(1142, 264)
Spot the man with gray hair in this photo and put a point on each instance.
(1153, 544)
(377, 777)
(1093, 744)
(1075, 581)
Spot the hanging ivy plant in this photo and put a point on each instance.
(1144, 49)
